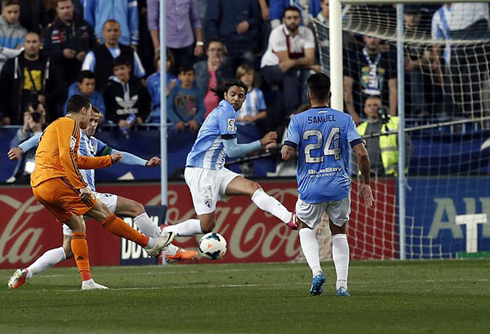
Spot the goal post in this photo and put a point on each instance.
(442, 184)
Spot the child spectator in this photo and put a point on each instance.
(11, 32)
(185, 103)
(252, 110)
(153, 85)
(86, 87)
(127, 101)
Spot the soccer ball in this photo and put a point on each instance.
(212, 246)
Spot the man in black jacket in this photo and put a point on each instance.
(67, 41)
(101, 58)
(29, 77)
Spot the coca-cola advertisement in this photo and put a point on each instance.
(27, 229)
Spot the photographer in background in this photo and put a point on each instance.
(382, 150)
(34, 122)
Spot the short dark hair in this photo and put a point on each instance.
(184, 68)
(319, 86)
(95, 109)
(223, 88)
(76, 103)
(213, 40)
(293, 8)
(120, 61)
(58, 1)
(85, 74)
(6, 3)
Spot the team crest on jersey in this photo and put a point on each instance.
(231, 125)
(73, 142)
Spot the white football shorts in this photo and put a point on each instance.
(311, 213)
(207, 186)
(110, 200)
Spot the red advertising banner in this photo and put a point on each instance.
(27, 230)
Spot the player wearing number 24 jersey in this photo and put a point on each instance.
(322, 136)
(319, 135)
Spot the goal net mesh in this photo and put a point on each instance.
(446, 79)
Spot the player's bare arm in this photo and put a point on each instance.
(365, 168)
(287, 152)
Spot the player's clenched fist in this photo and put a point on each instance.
(155, 161)
(116, 157)
(269, 140)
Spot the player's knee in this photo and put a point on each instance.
(137, 208)
(67, 249)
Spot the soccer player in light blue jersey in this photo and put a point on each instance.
(322, 136)
(205, 174)
(121, 206)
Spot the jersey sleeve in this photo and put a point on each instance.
(352, 133)
(227, 123)
(293, 135)
(102, 148)
(68, 142)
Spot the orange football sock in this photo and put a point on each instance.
(80, 252)
(118, 227)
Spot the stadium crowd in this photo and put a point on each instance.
(109, 51)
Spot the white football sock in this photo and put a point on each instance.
(309, 245)
(270, 204)
(147, 226)
(340, 256)
(171, 250)
(187, 228)
(46, 261)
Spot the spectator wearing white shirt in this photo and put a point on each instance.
(288, 60)
(464, 65)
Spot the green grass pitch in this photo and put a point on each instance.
(386, 297)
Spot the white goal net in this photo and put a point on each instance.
(447, 79)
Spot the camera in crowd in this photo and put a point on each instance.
(384, 114)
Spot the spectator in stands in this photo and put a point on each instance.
(127, 101)
(124, 12)
(382, 150)
(67, 41)
(101, 59)
(184, 33)
(322, 42)
(417, 62)
(252, 111)
(211, 72)
(464, 65)
(288, 60)
(368, 72)
(33, 15)
(236, 23)
(34, 122)
(308, 9)
(86, 87)
(29, 77)
(153, 85)
(11, 32)
(185, 103)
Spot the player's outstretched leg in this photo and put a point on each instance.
(48, 260)
(340, 256)
(172, 253)
(309, 245)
